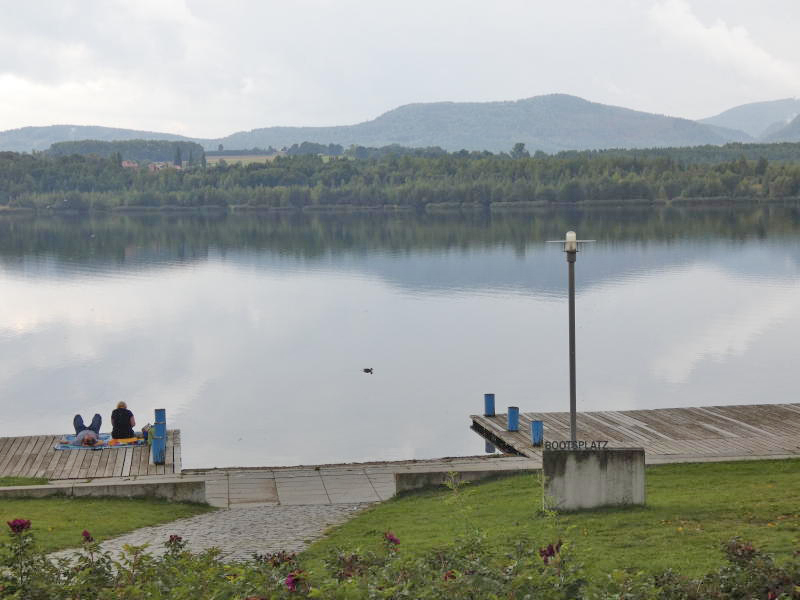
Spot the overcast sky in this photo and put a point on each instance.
(208, 68)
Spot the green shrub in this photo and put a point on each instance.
(467, 569)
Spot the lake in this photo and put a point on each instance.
(253, 331)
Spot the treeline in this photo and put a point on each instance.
(134, 150)
(708, 154)
(363, 152)
(83, 182)
(355, 151)
(775, 152)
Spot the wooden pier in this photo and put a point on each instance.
(667, 435)
(35, 456)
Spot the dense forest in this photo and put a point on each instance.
(457, 179)
(135, 150)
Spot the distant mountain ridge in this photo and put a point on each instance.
(761, 120)
(789, 133)
(550, 123)
(26, 139)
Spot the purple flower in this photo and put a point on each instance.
(391, 538)
(175, 539)
(549, 552)
(19, 525)
(293, 579)
(87, 537)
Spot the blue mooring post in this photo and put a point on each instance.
(488, 405)
(513, 418)
(537, 433)
(489, 447)
(159, 446)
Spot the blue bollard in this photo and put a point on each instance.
(513, 418)
(159, 433)
(488, 405)
(489, 447)
(537, 433)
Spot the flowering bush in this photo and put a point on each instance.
(19, 525)
(468, 569)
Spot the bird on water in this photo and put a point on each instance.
(369, 371)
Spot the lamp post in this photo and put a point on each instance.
(571, 243)
(571, 249)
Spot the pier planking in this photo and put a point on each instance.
(710, 432)
(35, 456)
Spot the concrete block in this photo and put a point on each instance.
(582, 479)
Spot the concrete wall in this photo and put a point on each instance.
(580, 479)
(178, 491)
(405, 482)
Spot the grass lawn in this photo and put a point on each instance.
(691, 509)
(57, 522)
(10, 481)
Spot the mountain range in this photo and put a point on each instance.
(550, 123)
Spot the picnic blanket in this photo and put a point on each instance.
(104, 437)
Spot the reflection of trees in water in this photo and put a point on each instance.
(155, 237)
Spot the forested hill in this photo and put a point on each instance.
(136, 150)
(789, 133)
(549, 123)
(761, 120)
(40, 138)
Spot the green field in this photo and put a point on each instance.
(691, 509)
(57, 522)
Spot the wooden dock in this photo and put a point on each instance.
(35, 456)
(667, 435)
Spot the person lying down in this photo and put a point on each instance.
(85, 436)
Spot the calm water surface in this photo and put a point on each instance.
(253, 331)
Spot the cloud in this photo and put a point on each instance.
(205, 68)
(726, 45)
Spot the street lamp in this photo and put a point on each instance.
(571, 243)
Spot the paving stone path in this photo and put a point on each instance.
(241, 532)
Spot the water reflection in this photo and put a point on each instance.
(253, 331)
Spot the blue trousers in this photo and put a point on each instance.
(77, 422)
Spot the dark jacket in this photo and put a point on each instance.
(121, 424)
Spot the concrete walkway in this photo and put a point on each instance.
(334, 484)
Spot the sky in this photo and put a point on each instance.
(208, 68)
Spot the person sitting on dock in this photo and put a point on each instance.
(86, 436)
(122, 423)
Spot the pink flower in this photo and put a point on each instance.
(391, 538)
(19, 525)
(449, 575)
(87, 537)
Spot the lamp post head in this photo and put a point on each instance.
(571, 242)
(571, 245)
